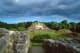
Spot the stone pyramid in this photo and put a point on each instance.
(38, 26)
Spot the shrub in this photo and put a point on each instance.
(40, 38)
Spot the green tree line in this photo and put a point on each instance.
(53, 25)
(19, 26)
(75, 27)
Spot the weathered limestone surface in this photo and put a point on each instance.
(5, 44)
(22, 43)
(8, 39)
(38, 26)
(68, 45)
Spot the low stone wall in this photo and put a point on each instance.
(62, 46)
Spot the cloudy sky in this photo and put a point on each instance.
(13, 11)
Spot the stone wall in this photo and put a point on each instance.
(62, 46)
(21, 45)
(5, 43)
(9, 38)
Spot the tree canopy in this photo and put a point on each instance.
(53, 25)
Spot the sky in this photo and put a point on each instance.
(14, 11)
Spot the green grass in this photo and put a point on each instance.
(52, 34)
(36, 44)
(37, 37)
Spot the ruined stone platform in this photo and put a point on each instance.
(14, 41)
(68, 45)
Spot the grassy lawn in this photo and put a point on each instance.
(36, 44)
(52, 34)
(37, 37)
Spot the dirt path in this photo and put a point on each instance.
(37, 49)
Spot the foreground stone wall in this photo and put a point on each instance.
(21, 45)
(5, 43)
(8, 39)
(62, 46)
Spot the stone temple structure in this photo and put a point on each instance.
(38, 26)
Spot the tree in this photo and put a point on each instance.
(64, 24)
(72, 26)
(27, 24)
(78, 27)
